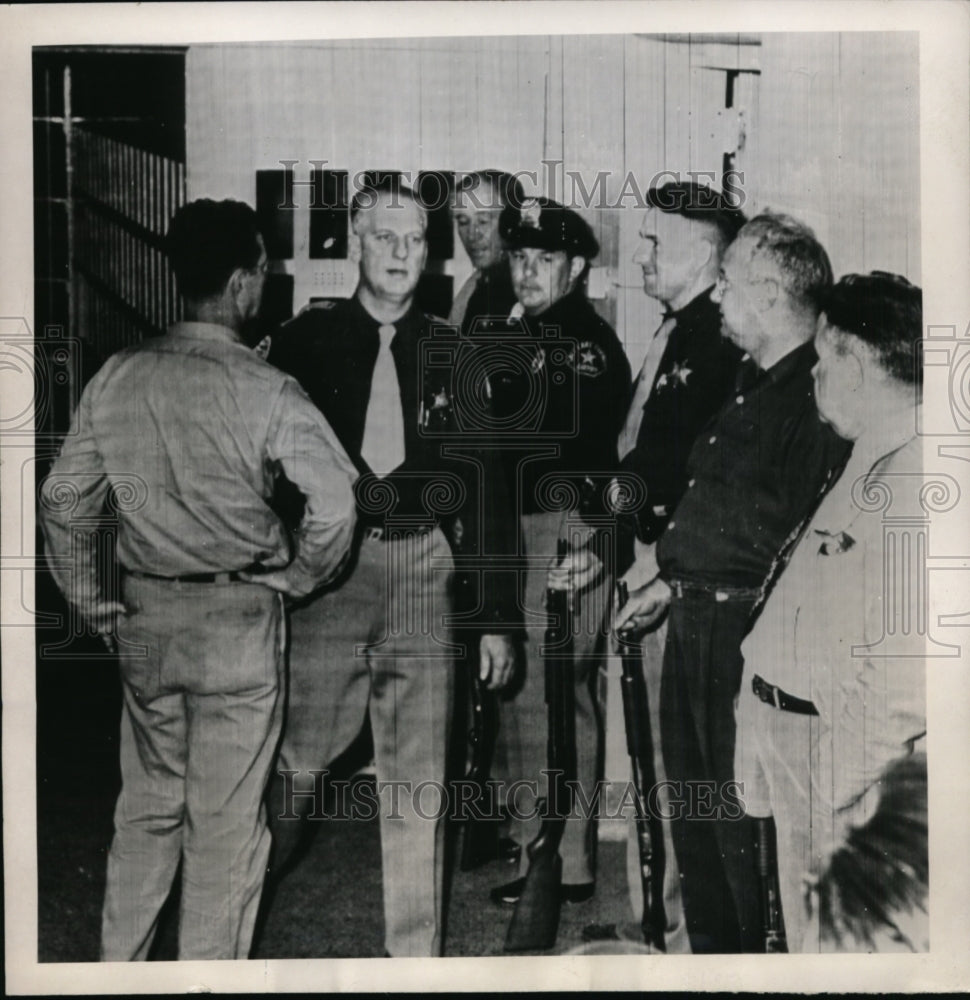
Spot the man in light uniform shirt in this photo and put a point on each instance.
(184, 436)
(834, 682)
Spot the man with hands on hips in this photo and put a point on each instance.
(184, 436)
(377, 643)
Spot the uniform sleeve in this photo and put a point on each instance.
(75, 489)
(314, 461)
(499, 607)
(870, 695)
(602, 398)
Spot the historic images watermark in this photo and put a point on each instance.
(315, 795)
(572, 188)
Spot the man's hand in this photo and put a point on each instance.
(578, 570)
(103, 618)
(496, 660)
(278, 580)
(644, 607)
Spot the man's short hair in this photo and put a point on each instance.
(804, 268)
(507, 186)
(885, 312)
(207, 241)
(699, 204)
(370, 194)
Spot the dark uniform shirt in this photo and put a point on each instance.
(755, 473)
(560, 386)
(332, 351)
(695, 378)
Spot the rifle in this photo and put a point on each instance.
(766, 857)
(639, 743)
(535, 921)
(480, 841)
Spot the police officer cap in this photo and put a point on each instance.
(547, 225)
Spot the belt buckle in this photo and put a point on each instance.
(373, 534)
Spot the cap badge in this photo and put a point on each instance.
(531, 213)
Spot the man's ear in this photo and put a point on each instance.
(353, 247)
(576, 266)
(860, 365)
(236, 282)
(766, 293)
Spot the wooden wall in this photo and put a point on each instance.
(822, 125)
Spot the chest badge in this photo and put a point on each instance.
(677, 375)
(589, 359)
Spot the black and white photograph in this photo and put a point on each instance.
(485, 481)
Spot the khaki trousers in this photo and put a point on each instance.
(524, 719)
(201, 719)
(376, 645)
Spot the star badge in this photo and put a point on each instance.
(677, 375)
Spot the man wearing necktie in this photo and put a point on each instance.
(559, 382)
(377, 643)
(479, 200)
(754, 474)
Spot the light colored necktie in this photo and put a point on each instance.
(644, 383)
(383, 447)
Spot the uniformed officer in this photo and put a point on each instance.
(560, 386)
(479, 200)
(687, 375)
(189, 431)
(376, 644)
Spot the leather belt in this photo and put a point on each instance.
(772, 695)
(688, 588)
(230, 576)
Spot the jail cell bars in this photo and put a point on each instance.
(123, 199)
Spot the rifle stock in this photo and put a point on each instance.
(766, 855)
(481, 824)
(639, 742)
(535, 922)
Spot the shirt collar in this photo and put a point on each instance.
(698, 304)
(566, 305)
(410, 320)
(800, 358)
(881, 440)
(191, 330)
